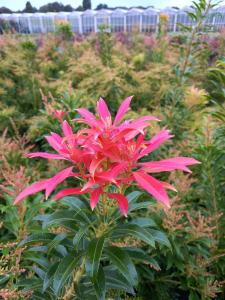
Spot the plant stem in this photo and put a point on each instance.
(192, 39)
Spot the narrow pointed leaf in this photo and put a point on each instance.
(94, 253)
(160, 237)
(123, 263)
(49, 276)
(38, 238)
(56, 241)
(65, 269)
(135, 231)
(99, 284)
(79, 235)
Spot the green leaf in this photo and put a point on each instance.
(30, 284)
(74, 203)
(140, 205)
(132, 197)
(193, 296)
(160, 237)
(99, 284)
(59, 218)
(44, 237)
(123, 263)
(41, 273)
(56, 241)
(114, 280)
(80, 207)
(94, 253)
(143, 222)
(40, 260)
(49, 276)
(135, 231)
(79, 235)
(140, 255)
(64, 271)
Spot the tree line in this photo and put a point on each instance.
(57, 7)
(53, 7)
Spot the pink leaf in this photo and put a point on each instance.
(94, 164)
(176, 163)
(122, 202)
(112, 174)
(152, 186)
(103, 111)
(67, 130)
(95, 195)
(32, 189)
(155, 142)
(124, 107)
(87, 185)
(46, 155)
(57, 179)
(88, 116)
(68, 192)
(54, 142)
(168, 186)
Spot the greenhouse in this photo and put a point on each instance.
(117, 20)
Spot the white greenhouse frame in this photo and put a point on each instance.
(118, 20)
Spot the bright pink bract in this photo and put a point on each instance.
(107, 153)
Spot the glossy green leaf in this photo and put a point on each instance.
(40, 260)
(94, 253)
(58, 218)
(79, 235)
(41, 273)
(135, 231)
(64, 270)
(132, 197)
(99, 284)
(143, 222)
(49, 276)
(56, 241)
(44, 237)
(140, 205)
(116, 281)
(74, 203)
(160, 237)
(140, 255)
(123, 263)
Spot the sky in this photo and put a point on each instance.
(20, 4)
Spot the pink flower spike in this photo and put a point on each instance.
(57, 179)
(68, 192)
(95, 195)
(153, 186)
(103, 112)
(124, 107)
(122, 202)
(45, 155)
(32, 189)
